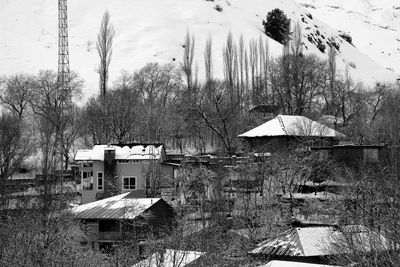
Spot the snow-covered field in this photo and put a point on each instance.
(154, 31)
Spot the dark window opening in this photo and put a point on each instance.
(129, 183)
(100, 181)
(87, 179)
(109, 226)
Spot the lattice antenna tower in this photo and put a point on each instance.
(63, 50)
(63, 77)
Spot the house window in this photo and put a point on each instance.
(108, 226)
(100, 181)
(87, 180)
(129, 183)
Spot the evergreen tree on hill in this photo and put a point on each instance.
(277, 26)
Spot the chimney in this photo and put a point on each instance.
(110, 183)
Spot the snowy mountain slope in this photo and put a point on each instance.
(373, 24)
(154, 31)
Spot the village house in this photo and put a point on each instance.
(354, 156)
(124, 217)
(107, 170)
(284, 131)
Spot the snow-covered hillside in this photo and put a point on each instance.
(373, 24)
(154, 30)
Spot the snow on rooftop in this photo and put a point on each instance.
(294, 264)
(315, 240)
(170, 258)
(116, 207)
(289, 125)
(298, 242)
(320, 241)
(137, 152)
(318, 195)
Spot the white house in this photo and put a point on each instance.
(119, 169)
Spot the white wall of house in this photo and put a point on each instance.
(132, 170)
(136, 169)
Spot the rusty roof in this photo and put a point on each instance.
(117, 207)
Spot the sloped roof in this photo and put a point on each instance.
(288, 125)
(125, 152)
(294, 264)
(298, 242)
(170, 258)
(117, 207)
(321, 241)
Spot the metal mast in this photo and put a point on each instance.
(63, 51)
(63, 79)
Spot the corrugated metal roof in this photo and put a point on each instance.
(320, 241)
(288, 125)
(298, 242)
(294, 264)
(116, 207)
(170, 258)
(134, 153)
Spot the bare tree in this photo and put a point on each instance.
(49, 105)
(241, 60)
(246, 71)
(73, 130)
(15, 147)
(16, 92)
(220, 114)
(30, 239)
(228, 56)
(96, 131)
(121, 114)
(208, 63)
(159, 86)
(253, 61)
(370, 204)
(104, 48)
(265, 64)
(297, 79)
(187, 66)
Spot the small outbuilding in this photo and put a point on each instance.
(286, 130)
(124, 216)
